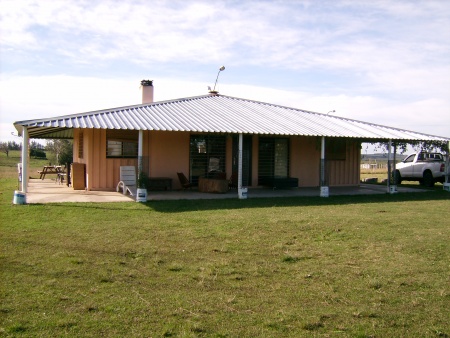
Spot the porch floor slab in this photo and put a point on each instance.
(48, 191)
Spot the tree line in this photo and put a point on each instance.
(427, 146)
(6, 147)
(63, 149)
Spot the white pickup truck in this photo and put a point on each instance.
(427, 168)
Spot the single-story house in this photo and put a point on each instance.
(213, 135)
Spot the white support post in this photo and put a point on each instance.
(242, 192)
(324, 190)
(394, 174)
(447, 169)
(389, 168)
(391, 187)
(25, 153)
(141, 194)
(447, 166)
(140, 150)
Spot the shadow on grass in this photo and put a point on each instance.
(176, 206)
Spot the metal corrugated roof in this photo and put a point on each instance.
(218, 114)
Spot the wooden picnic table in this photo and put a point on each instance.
(49, 169)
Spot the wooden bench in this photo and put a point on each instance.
(159, 183)
(277, 182)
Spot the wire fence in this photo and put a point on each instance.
(373, 166)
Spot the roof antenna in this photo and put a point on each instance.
(214, 89)
(331, 111)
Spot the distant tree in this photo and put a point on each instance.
(36, 145)
(38, 153)
(4, 148)
(66, 155)
(63, 150)
(14, 146)
(37, 150)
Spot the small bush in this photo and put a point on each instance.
(38, 153)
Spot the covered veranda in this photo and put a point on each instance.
(48, 191)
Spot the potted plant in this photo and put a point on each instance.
(142, 182)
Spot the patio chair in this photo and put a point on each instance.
(233, 182)
(127, 180)
(184, 181)
(61, 175)
(214, 164)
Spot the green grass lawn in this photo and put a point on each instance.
(365, 266)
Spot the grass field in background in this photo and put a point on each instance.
(365, 266)
(380, 174)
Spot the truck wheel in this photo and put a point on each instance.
(397, 178)
(428, 179)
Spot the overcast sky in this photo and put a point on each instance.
(386, 62)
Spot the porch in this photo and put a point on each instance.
(48, 191)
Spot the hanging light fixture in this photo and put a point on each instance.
(220, 70)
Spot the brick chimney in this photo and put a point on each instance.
(147, 91)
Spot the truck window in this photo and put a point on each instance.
(410, 158)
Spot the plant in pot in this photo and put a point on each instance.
(142, 182)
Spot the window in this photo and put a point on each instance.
(80, 145)
(410, 158)
(335, 149)
(121, 149)
(273, 157)
(122, 143)
(207, 156)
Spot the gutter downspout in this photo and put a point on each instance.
(25, 153)
(324, 190)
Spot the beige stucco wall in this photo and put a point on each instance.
(346, 173)
(101, 173)
(305, 160)
(305, 163)
(166, 153)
